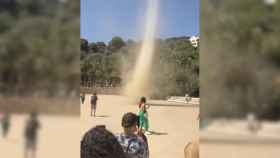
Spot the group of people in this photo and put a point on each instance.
(30, 133)
(98, 142)
(142, 106)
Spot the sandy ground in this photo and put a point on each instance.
(225, 150)
(232, 139)
(175, 125)
(58, 137)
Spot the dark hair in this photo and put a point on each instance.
(129, 119)
(143, 100)
(34, 114)
(100, 143)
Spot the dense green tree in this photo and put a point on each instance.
(116, 43)
(101, 47)
(93, 48)
(9, 6)
(84, 45)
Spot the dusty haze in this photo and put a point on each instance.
(138, 83)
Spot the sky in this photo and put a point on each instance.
(103, 19)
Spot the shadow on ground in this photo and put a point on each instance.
(158, 133)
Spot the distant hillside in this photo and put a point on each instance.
(175, 68)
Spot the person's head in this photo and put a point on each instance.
(100, 143)
(143, 100)
(192, 149)
(34, 115)
(130, 123)
(94, 93)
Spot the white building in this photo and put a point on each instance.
(194, 41)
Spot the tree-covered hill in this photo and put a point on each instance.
(175, 68)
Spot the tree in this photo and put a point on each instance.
(116, 43)
(101, 47)
(93, 48)
(84, 45)
(9, 6)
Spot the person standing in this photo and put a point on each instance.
(93, 102)
(83, 97)
(143, 115)
(132, 144)
(5, 122)
(30, 134)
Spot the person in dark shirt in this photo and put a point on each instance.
(83, 97)
(31, 134)
(98, 142)
(93, 102)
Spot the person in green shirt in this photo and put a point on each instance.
(143, 115)
(5, 122)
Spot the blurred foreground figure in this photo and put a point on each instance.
(5, 123)
(31, 132)
(100, 143)
(192, 150)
